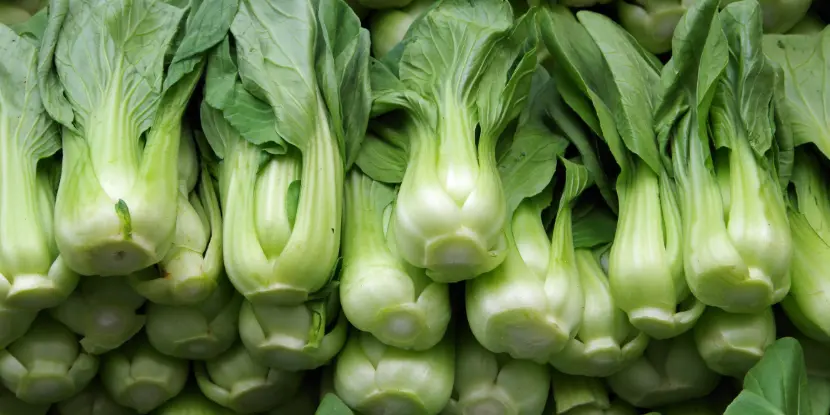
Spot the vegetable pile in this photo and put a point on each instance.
(414, 207)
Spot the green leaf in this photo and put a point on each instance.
(221, 75)
(343, 73)
(636, 81)
(332, 405)
(593, 225)
(585, 68)
(383, 155)
(275, 52)
(568, 123)
(253, 118)
(507, 79)
(448, 41)
(139, 32)
(34, 26)
(26, 128)
(803, 101)
(777, 384)
(699, 58)
(745, 93)
(528, 164)
(206, 26)
(382, 160)
(577, 179)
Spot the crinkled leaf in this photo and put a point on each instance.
(275, 53)
(450, 46)
(529, 164)
(207, 24)
(803, 102)
(98, 45)
(249, 115)
(25, 127)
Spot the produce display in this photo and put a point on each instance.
(414, 207)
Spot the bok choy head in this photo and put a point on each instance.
(33, 273)
(613, 85)
(105, 76)
(804, 59)
(461, 74)
(487, 382)
(380, 292)
(538, 269)
(46, 365)
(806, 303)
(286, 123)
(371, 377)
(717, 115)
(237, 381)
(189, 271)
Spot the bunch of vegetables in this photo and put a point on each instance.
(414, 207)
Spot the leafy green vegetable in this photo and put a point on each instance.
(93, 400)
(34, 273)
(238, 382)
(777, 384)
(138, 376)
(295, 338)
(536, 269)
(671, 371)
(606, 342)
(486, 382)
(192, 403)
(200, 331)
(380, 293)
(737, 249)
(730, 343)
(614, 89)
(780, 15)
(542, 272)
(388, 27)
(286, 120)
(804, 60)
(652, 22)
(576, 395)
(47, 364)
(372, 377)
(806, 301)
(105, 311)
(104, 78)
(191, 267)
(461, 76)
